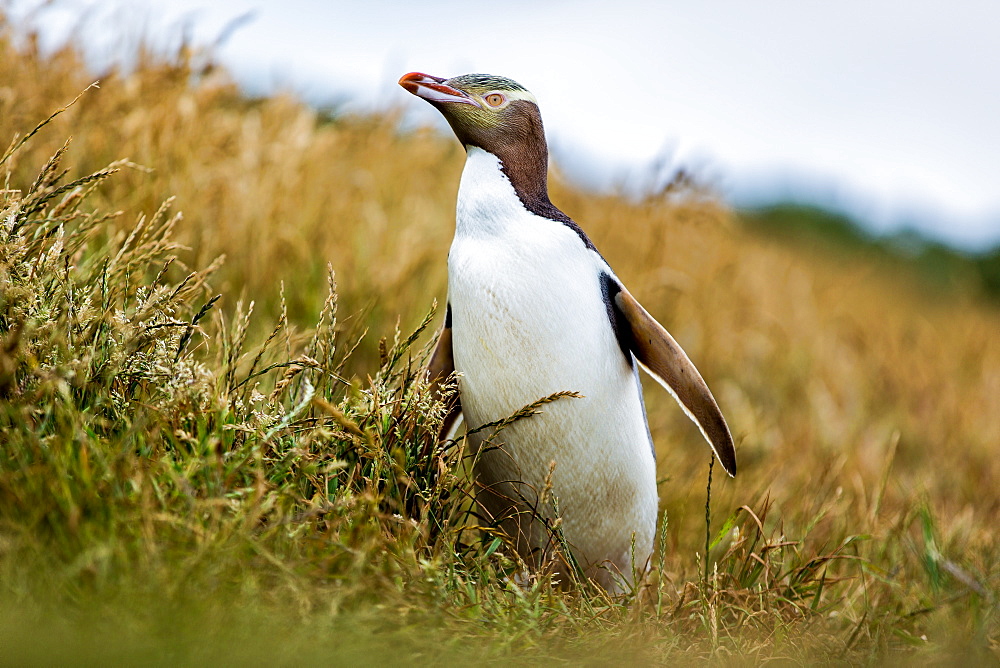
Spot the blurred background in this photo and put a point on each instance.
(882, 113)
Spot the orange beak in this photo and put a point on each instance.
(433, 89)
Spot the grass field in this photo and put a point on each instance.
(212, 312)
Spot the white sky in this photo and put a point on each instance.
(888, 110)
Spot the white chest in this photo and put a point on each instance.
(529, 320)
(528, 312)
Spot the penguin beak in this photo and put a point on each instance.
(433, 89)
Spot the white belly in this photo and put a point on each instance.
(528, 320)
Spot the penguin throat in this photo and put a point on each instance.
(491, 193)
(525, 163)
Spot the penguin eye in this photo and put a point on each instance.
(494, 99)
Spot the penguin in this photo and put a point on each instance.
(533, 309)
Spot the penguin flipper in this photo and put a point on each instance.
(667, 362)
(439, 369)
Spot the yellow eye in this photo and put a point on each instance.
(494, 99)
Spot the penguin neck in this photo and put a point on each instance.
(494, 190)
(525, 163)
(489, 203)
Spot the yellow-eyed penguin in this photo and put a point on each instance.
(533, 309)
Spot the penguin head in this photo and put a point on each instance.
(484, 110)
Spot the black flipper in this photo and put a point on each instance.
(667, 362)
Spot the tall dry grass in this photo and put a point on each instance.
(865, 411)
